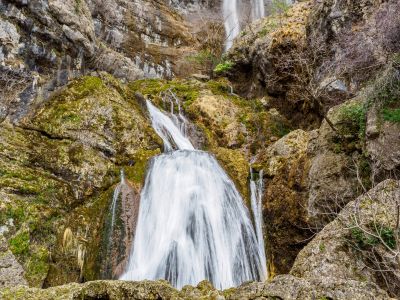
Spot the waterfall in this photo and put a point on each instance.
(257, 9)
(232, 17)
(117, 191)
(192, 222)
(256, 192)
(231, 21)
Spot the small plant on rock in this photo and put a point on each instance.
(223, 67)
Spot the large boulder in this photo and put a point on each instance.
(359, 245)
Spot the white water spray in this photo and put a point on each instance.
(192, 223)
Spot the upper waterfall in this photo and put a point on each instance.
(172, 136)
(192, 223)
(231, 21)
(257, 9)
(233, 13)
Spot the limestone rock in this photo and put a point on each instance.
(332, 256)
(383, 145)
(11, 272)
(308, 175)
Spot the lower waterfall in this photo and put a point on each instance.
(193, 224)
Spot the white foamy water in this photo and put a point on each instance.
(192, 223)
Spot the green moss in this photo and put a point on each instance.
(391, 115)
(37, 266)
(19, 244)
(137, 172)
(354, 116)
(86, 85)
(322, 247)
(186, 91)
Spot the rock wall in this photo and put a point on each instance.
(47, 43)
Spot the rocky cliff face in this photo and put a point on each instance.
(47, 43)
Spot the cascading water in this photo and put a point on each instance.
(256, 189)
(232, 17)
(231, 21)
(257, 9)
(192, 223)
(116, 194)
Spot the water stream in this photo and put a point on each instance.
(192, 223)
(233, 13)
(257, 9)
(256, 194)
(231, 21)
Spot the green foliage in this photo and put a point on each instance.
(385, 92)
(206, 60)
(388, 236)
(19, 244)
(280, 129)
(365, 240)
(391, 115)
(224, 67)
(355, 117)
(279, 6)
(268, 27)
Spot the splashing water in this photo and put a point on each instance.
(192, 223)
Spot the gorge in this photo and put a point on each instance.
(193, 149)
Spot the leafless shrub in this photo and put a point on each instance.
(12, 83)
(371, 226)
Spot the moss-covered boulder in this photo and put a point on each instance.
(59, 165)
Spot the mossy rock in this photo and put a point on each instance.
(59, 166)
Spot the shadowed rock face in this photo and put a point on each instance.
(120, 240)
